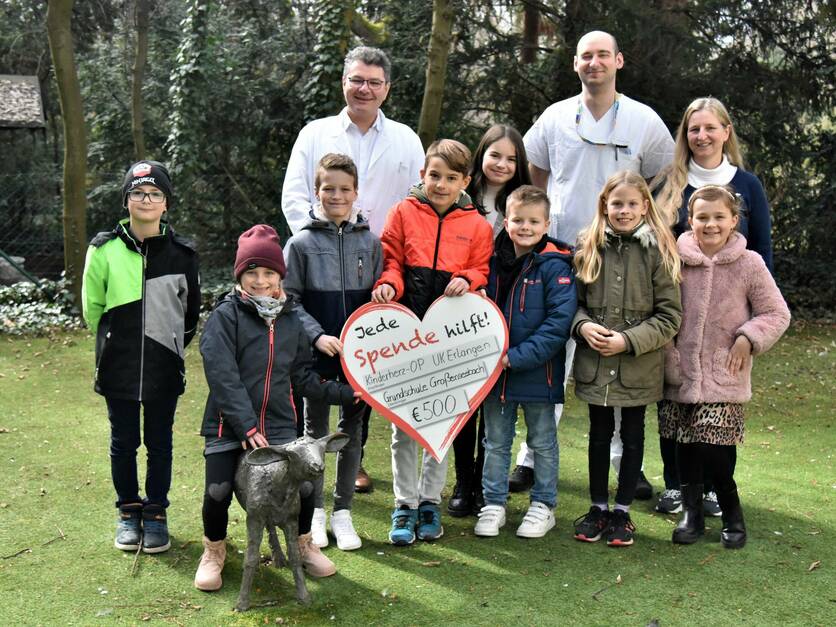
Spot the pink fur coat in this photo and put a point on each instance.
(732, 294)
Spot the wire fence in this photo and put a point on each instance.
(30, 226)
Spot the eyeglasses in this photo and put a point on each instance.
(140, 196)
(373, 83)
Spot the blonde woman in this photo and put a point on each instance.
(708, 153)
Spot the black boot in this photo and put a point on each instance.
(461, 502)
(733, 534)
(478, 500)
(692, 523)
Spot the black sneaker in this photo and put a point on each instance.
(521, 479)
(129, 527)
(710, 505)
(621, 529)
(154, 530)
(644, 491)
(670, 502)
(590, 526)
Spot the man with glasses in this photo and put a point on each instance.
(573, 148)
(388, 154)
(389, 159)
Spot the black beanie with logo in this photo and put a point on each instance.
(147, 173)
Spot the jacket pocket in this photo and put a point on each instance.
(105, 344)
(721, 374)
(586, 364)
(644, 371)
(673, 374)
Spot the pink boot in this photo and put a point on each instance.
(208, 576)
(313, 561)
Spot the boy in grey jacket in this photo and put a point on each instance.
(332, 265)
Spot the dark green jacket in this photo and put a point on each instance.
(142, 300)
(636, 296)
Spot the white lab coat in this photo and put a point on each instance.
(394, 166)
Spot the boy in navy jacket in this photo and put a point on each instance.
(532, 282)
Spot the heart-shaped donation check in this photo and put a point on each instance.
(426, 376)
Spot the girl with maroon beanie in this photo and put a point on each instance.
(254, 349)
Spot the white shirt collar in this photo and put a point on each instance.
(346, 122)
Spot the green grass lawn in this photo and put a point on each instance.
(56, 507)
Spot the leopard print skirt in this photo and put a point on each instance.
(710, 423)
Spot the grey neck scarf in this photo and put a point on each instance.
(266, 306)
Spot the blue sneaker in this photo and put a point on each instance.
(129, 527)
(404, 520)
(429, 522)
(154, 530)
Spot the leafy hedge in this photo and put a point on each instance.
(26, 308)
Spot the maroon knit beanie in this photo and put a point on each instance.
(259, 246)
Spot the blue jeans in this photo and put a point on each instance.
(500, 421)
(125, 439)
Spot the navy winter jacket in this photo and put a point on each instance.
(538, 310)
(250, 368)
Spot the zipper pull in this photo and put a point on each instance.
(359, 268)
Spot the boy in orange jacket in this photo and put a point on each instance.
(435, 243)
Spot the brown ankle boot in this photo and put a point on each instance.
(313, 561)
(208, 575)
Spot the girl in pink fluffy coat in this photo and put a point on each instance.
(732, 310)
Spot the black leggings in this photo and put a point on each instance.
(668, 448)
(698, 460)
(217, 495)
(471, 438)
(601, 428)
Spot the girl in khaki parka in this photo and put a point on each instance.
(628, 309)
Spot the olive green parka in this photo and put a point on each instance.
(636, 296)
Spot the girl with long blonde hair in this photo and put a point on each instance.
(629, 307)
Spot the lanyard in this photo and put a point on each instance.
(614, 120)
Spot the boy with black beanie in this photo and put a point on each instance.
(141, 297)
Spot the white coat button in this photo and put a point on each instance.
(618, 278)
(612, 373)
(616, 309)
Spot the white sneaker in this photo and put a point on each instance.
(491, 518)
(343, 530)
(319, 537)
(537, 521)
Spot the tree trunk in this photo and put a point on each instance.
(531, 31)
(437, 54)
(141, 9)
(58, 15)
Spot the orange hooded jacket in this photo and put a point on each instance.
(423, 251)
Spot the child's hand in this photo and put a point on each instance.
(329, 345)
(357, 396)
(615, 344)
(595, 335)
(740, 351)
(456, 287)
(256, 440)
(383, 293)
(506, 363)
